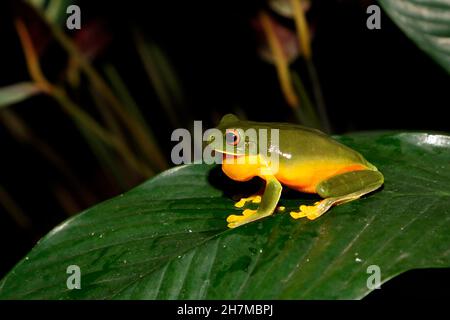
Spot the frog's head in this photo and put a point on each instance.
(231, 137)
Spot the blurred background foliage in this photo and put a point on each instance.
(87, 114)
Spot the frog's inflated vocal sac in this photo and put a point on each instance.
(308, 161)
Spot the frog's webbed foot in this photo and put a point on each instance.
(314, 211)
(247, 216)
(341, 189)
(254, 199)
(237, 220)
(268, 203)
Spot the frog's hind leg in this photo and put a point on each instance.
(340, 189)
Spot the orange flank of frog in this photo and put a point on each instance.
(304, 176)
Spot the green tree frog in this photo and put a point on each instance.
(308, 161)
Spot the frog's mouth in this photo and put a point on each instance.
(228, 155)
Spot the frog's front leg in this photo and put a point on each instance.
(340, 189)
(267, 205)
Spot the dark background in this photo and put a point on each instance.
(371, 80)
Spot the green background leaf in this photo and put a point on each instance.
(167, 238)
(426, 22)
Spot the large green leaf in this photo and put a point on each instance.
(168, 238)
(427, 22)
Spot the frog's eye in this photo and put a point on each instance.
(232, 137)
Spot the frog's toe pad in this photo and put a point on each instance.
(310, 212)
(237, 220)
(297, 215)
(243, 201)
